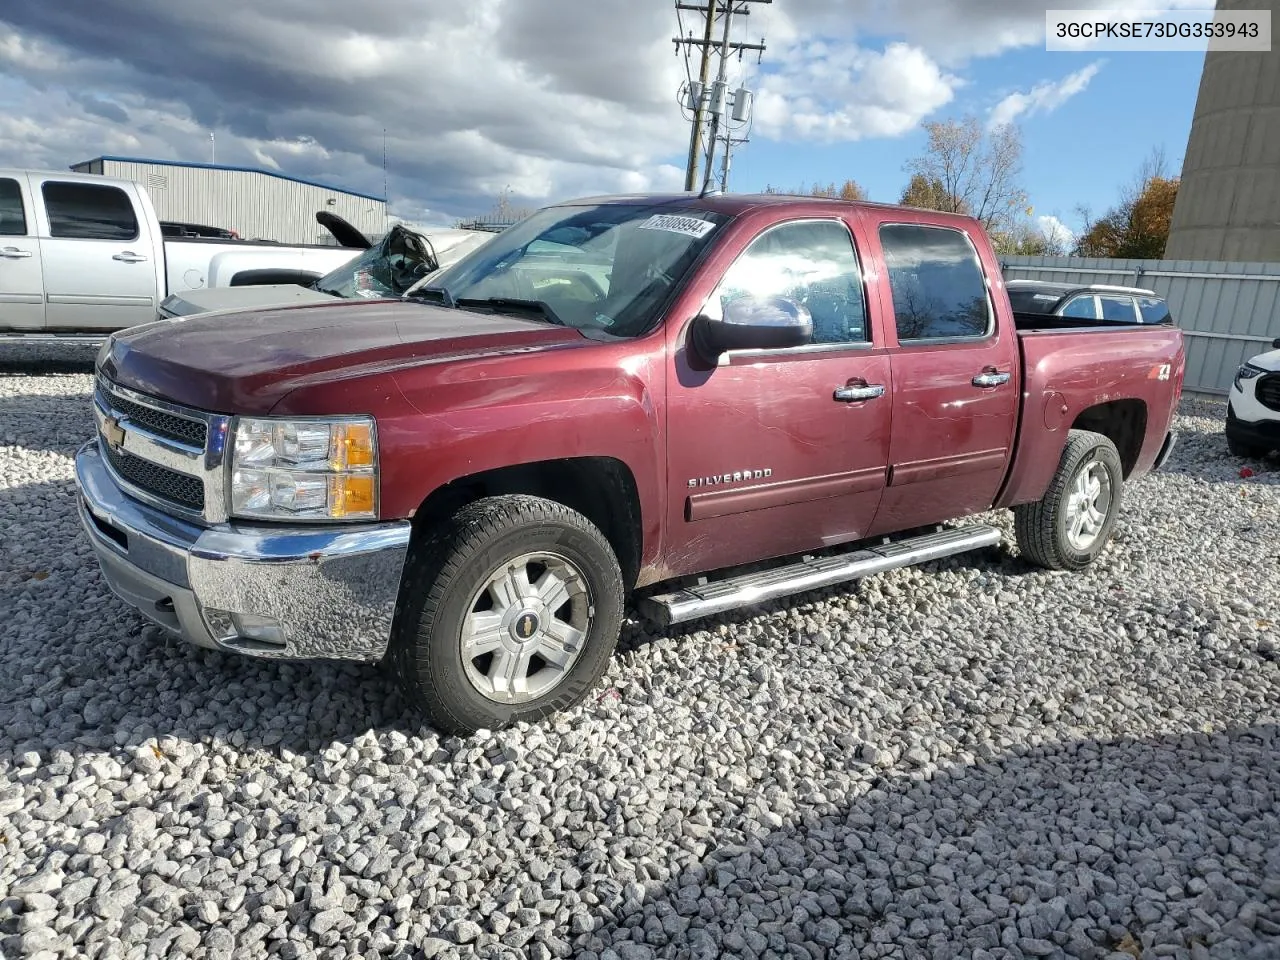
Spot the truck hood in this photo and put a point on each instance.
(207, 299)
(245, 362)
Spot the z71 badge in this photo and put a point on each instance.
(736, 477)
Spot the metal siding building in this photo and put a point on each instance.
(1228, 204)
(257, 204)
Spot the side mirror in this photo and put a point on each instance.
(752, 323)
(1276, 343)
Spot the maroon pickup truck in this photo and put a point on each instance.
(644, 396)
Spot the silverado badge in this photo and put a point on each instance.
(735, 476)
(113, 433)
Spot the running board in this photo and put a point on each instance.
(707, 599)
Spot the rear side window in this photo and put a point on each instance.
(1154, 310)
(1085, 308)
(937, 284)
(13, 218)
(89, 211)
(1119, 309)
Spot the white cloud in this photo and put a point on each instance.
(1043, 97)
(1054, 229)
(833, 93)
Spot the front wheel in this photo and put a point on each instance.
(510, 611)
(1070, 525)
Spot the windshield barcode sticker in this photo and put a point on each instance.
(689, 226)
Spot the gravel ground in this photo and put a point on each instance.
(971, 759)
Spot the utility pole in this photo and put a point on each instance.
(695, 134)
(715, 99)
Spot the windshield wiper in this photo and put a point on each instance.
(514, 305)
(432, 295)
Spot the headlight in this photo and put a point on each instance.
(304, 469)
(1247, 371)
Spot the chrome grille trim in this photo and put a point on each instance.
(160, 433)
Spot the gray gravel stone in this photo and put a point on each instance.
(974, 758)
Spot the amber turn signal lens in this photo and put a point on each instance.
(354, 445)
(352, 496)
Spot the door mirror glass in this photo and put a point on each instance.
(752, 323)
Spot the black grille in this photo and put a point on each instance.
(167, 425)
(157, 480)
(1269, 391)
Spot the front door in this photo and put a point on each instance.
(770, 453)
(21, 281)
(955, 378)
(98, 268)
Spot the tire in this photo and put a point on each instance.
(1245, 451)
(459, 587)
(1050, 532)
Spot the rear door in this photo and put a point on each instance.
(97, 254)
(955, 375)
(21, 281)
(774, 452)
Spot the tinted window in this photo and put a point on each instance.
(1154, 310)
(1118, 308)
(13, 219)
(936, 281)
(1029, 301)
(1083, 307)
(811, 262)
(88, 211)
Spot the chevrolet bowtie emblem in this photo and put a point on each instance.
(113, 433)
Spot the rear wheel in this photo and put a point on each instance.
(1070, 525)
(510, 611)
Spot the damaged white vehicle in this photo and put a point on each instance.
(389, 268)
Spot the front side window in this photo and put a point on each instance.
(607, 267)
(1083, 308)
(811, 262)
(89, 211)
(1118, 309)
(936, 280)
(13, 218)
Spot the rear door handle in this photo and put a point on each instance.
(129, 257)
(13, 253)
(853, 393)
(990, 378)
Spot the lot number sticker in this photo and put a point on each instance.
(689, 226)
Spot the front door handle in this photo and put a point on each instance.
(990, 378)
(13, 253)
(853, 393)
(129, 257)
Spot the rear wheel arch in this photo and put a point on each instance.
(1123, 422)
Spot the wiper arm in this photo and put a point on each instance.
(432, 294)
(513, 304)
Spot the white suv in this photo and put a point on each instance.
(1253, 406)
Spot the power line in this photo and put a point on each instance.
(714, 99)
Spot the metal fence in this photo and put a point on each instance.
(1227, 311)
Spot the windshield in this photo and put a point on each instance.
(387, 269)
(605, 267)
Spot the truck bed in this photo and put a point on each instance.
(1027, 322)
(1076, 372)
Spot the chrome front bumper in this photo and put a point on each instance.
(270, 591)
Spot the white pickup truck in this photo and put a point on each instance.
(82, 255)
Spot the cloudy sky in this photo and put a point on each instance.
(557, 98)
